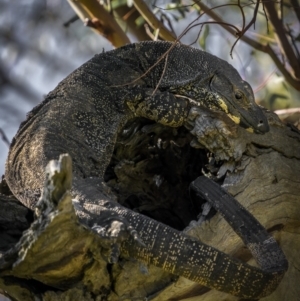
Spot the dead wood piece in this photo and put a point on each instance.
(266, 182)
(62, 254)
(56, 252)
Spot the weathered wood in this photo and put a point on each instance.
(60, 252)
(267, 183)
(55, 251)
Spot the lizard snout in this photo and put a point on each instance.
(263, 126)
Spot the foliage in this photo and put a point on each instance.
(281, 23)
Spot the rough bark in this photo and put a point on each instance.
(59, 253)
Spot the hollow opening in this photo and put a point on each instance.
(151, 170)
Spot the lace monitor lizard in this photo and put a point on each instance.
(82, 116)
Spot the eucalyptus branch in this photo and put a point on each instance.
(296, 6)
(100, 20)
(151, 19)
(282, 37)
(266, 48)
(234, 32)
(126, 17)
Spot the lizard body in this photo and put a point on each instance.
(85, 113)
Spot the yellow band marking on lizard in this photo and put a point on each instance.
(235, 119)
(223, 105)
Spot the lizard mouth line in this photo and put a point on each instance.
(151, 170)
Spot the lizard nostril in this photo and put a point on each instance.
(263, 126)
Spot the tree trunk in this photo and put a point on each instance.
(55, 258)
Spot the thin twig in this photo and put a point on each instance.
(292, 80)
(162, 74)
(264, 82)
(127, 16)
(242, 32)
(151, 19)
(177, 40)
(165, 17)
(296, 7)
(198, 35)
(287, 111)
(289, 32)
(70, 21)
(262, 37)
(234, 31)
(242, 12)
(148, 31)
(266, 16)
(153, 66)
(219, 20)
(212, 22)
(4, 138)
(281, 10)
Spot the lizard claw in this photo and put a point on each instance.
(206, 207)
(102, 215)
(216, 132)
(113, 234)
(134, 234)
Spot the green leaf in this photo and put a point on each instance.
(204, 34)
(118, 3)
(139, 21)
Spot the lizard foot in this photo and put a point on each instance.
(206, 207)
(113, 232)
(216, 132)
(95, 206)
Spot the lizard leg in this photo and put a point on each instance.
(163, 107)
(216, 132)
(113, 231)
(93, 202)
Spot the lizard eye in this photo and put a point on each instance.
(238, 95)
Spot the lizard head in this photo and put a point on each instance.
(235, 97)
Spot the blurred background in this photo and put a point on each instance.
(42, 41)
(36, 53)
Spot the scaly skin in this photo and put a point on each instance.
(85, 113)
